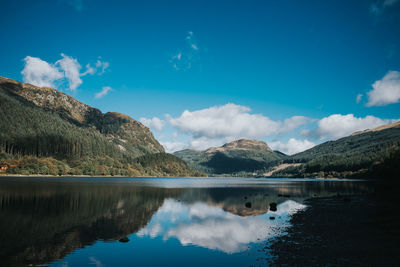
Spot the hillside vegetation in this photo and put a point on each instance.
(238, 158)
(365, 154)
(43, 131)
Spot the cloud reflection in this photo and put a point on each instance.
(213, 228)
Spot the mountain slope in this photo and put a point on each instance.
(44, 131)
(241, 157)
(358, 155)
(119, 129)
(358, 143)
(371, 153)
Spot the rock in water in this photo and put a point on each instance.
(124, 240)
(272, 206)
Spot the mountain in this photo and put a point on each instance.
(118, 128)
(365, 154)
(44, 131)
(241, 157)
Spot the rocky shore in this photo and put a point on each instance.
(341, 231)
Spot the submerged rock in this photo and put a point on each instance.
(272, 206)
(124, 240)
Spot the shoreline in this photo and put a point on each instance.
(215, 177)
(357, 230)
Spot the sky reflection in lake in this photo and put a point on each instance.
(213, 228)
(148, 222)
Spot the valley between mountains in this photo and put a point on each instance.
(46, 132)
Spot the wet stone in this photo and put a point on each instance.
(124, 240)
(272, 206)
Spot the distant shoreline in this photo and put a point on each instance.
(209, 177)
(64, 176)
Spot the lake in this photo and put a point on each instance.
(150, 221)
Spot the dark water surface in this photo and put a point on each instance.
(149, 222)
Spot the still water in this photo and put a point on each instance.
(150, 221)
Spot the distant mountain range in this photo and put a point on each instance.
(364, 154)
(241, 157)
(44, 131)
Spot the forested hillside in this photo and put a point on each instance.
(368, 154)
(119, 129)
(29, 130)
(362, 154)
(43, 131)
(238, 158)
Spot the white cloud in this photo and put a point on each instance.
(211, 227)
(105, 90)
(175, 60)
(379, 6)
(231, 121)
(202, 143)
(187, 56)
(40, 73)
(191, 41)
(194, 46)
(358, 98)
(171, 147)
(71, 68)
(294, 122)
(100, 68)
(336, 126)
(217, 125)
(385, 91)
(175, 135)
(154, 123)
(89, 70)
(293, 146)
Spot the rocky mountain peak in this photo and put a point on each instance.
(241, 144)
(380, 128)
(117, 127)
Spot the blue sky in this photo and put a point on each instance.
(239, 68)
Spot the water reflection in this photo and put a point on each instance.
(213, 228)
(74, 221)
